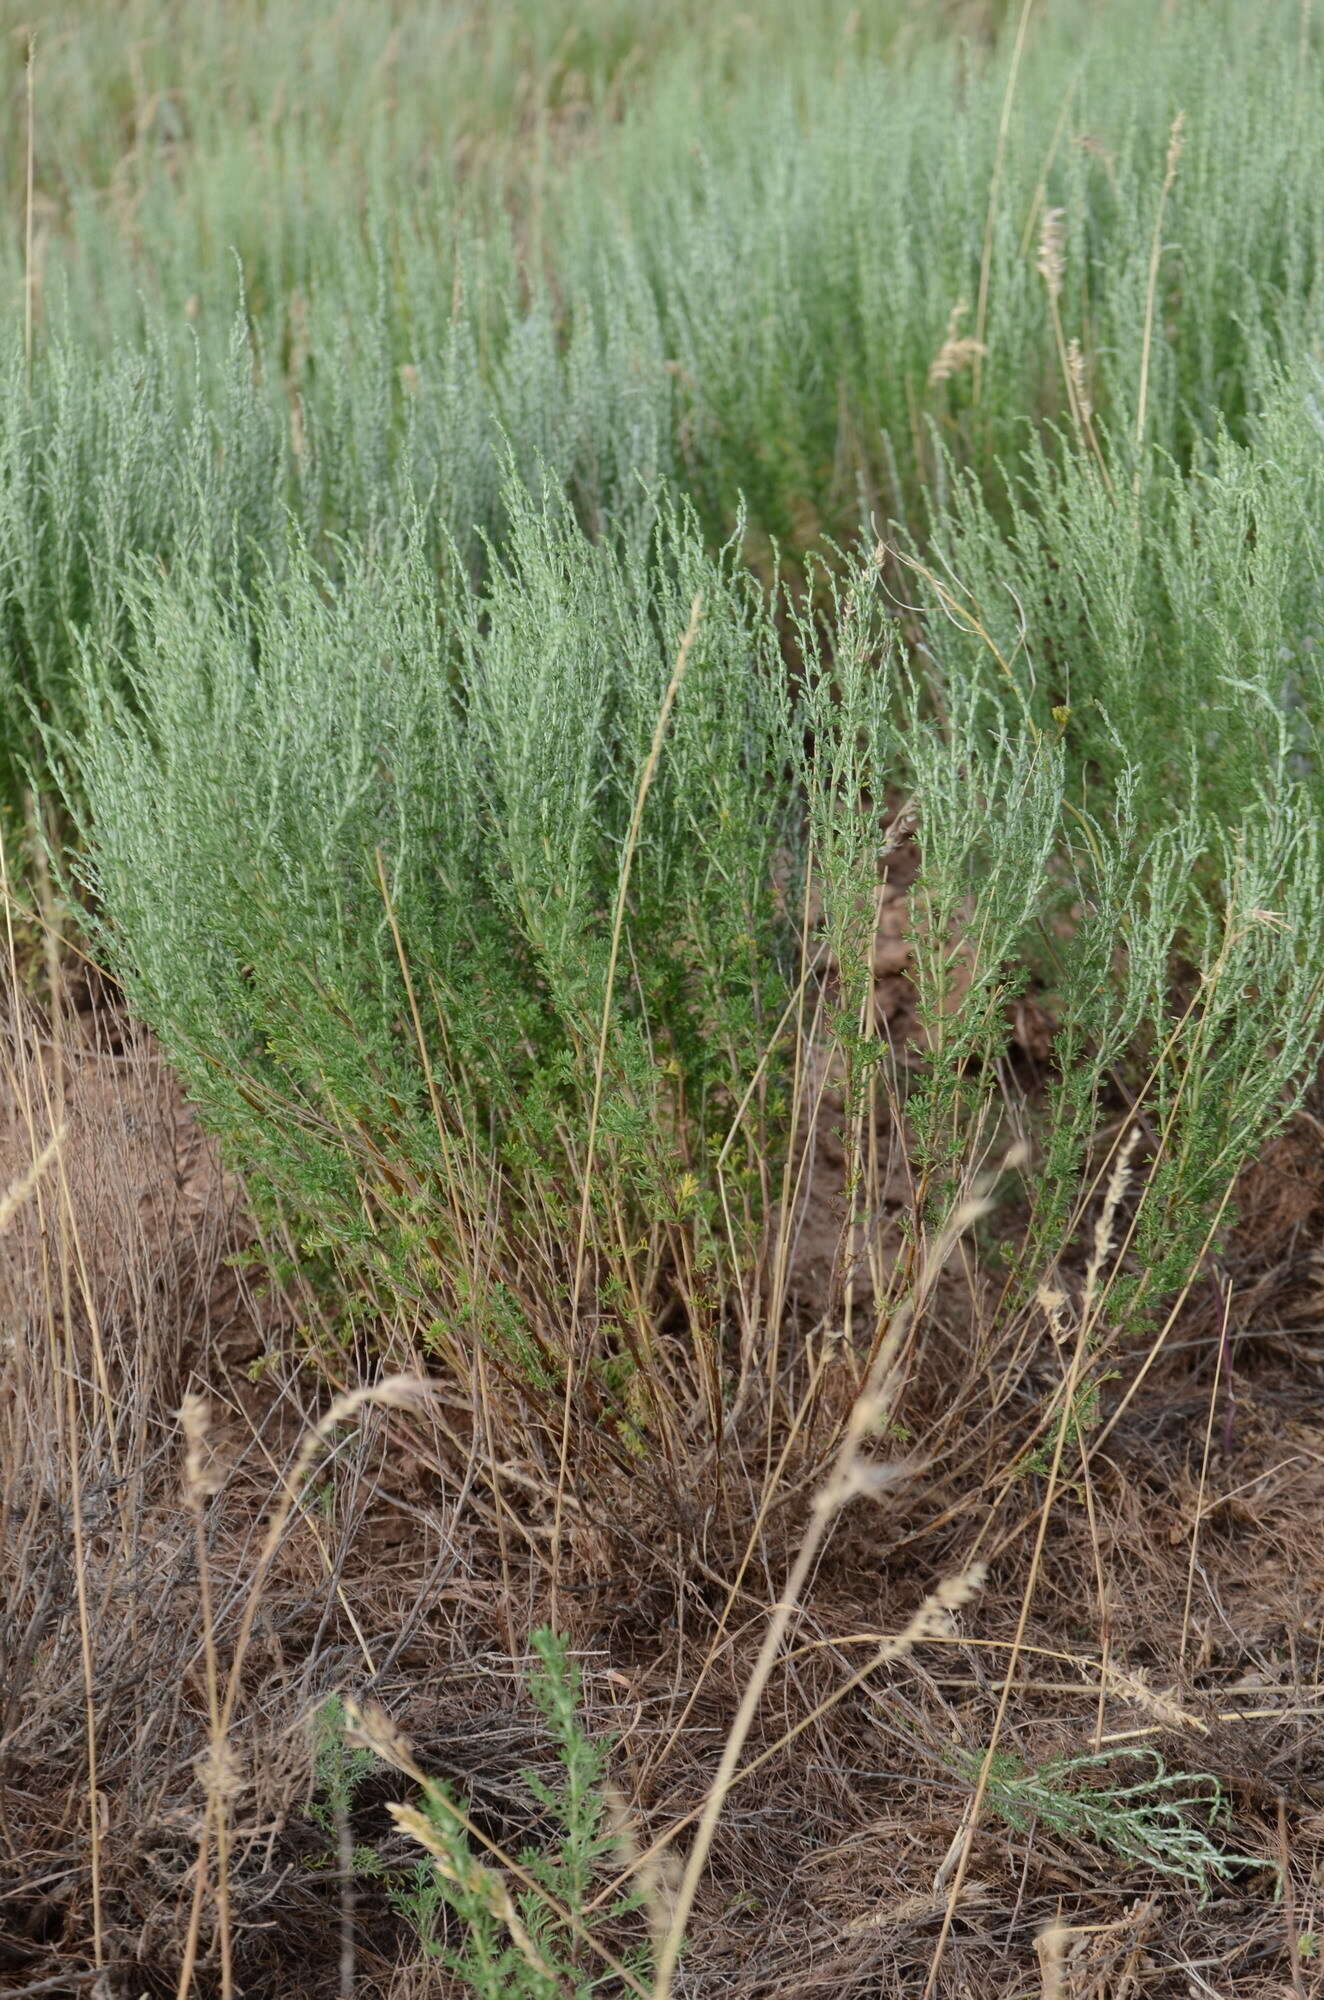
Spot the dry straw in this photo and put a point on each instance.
(471, 1876)
(850, 1475)
(646, 777)
(29, 264)
(995, 184)
(218, 1769)
(1176, 139)
(1051, 264)
(22, 1189)
(1105, 1237)
(956, 353)
(1051, 261)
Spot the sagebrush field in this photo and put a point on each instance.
(662, 858)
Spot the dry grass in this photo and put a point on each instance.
(196, 1550)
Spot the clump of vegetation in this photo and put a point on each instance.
(433, 888)
(715, 275)
(531, 1927)
(1159, 1822)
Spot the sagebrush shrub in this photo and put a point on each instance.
(358, 847)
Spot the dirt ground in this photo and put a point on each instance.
(845, 1858)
